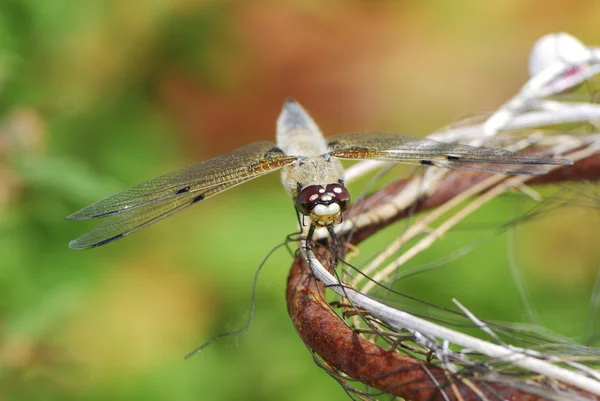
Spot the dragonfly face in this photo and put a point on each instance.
(324, 205)
(312, 174)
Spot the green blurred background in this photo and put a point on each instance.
(96, 96)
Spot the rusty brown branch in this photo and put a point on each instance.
(339, 346)
(458, 181)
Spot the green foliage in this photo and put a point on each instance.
(92, 101)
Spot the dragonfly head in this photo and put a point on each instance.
(324, 205)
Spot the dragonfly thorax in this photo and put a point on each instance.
(324, 205)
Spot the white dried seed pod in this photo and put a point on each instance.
(553, 47)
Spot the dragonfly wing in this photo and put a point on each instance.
(122, 224)
(405, 149)
(241, 165)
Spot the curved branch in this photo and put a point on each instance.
(339, 346)
(457, 181)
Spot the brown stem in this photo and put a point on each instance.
(342, 348)
(458, 181)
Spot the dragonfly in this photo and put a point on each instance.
(312, 175)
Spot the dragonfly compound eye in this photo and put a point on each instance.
(340, 194)
(308, 197)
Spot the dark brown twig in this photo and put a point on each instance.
(341, 347)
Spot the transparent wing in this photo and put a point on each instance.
(120, 225)
(243, 164)
(405, 149)
(139, 206)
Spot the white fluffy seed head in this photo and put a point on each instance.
(556, 46)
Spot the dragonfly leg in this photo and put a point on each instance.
(335, 243)
(334, 239)
(309, 236)
(300, 218)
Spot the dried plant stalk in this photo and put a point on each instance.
(479, 370)
(387, 370)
